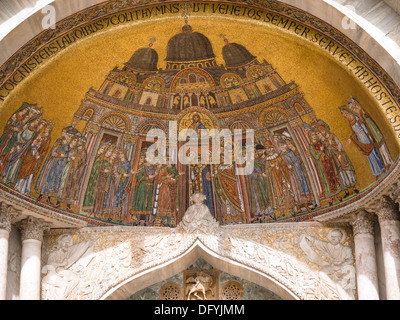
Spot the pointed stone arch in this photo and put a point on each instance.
(198, 250)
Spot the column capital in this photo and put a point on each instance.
(7, 211)
(363, 223)
(387, 210)
(32, 228)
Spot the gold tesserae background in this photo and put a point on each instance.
(61, 83)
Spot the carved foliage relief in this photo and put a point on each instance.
(310, 262)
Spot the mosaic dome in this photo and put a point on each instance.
(236, 55)
(144, 60)
(189, 46)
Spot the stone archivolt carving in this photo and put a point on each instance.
(116, 254)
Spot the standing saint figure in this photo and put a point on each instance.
(21, 148)
(324, 164)
(49, 179)
(70, 192)
(260, 188)
(33, 160)
(122, 177)
(103, 181)
(362, 138)
(142, 202)
(94, 175)
(343, 165)
(375, 132)
(168, 199)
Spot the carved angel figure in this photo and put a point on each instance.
(63, 266)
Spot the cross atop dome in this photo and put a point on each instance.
(186, 13)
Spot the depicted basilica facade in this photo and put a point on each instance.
(88, 212)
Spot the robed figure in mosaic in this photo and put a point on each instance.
(343, 167)
(258, 184)
(14, 158)
(103, 181)
(168, 194)
(142, 201)
(33, 160)
(50, 178)
(373, 129)
(324, 163)
(364, 141)
(88, 202)
(73, 181)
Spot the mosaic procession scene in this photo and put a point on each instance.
(97, 166)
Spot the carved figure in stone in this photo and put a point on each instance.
(335, 259)
(202, 283)
(63, 267)
(198, 216)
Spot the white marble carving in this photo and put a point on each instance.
(335, 259)
(120, 254)
(63, 268)
(198, 217)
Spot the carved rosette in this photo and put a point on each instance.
(32, 228)
(6, 213)
(363, 223)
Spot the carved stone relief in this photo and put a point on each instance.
(89, 263)
(201, 285)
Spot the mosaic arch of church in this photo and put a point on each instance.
(323, 143)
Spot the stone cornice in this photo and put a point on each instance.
(28, 208)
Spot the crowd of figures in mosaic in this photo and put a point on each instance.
(102, 171)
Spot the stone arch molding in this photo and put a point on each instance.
(114, 263)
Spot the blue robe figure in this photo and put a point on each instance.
(362, 135)
(362, 138)
(120, 195)
(207, 189)
(50, 178)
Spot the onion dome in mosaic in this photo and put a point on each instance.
(144, 60)
(236, 55)
(189, 46)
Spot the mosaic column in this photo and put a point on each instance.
(31, 236)
(389, 221)
(6, 213)
(367, 270)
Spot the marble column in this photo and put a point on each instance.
(6, 213)
(31, 236)
(389, 221)
(366, 267)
